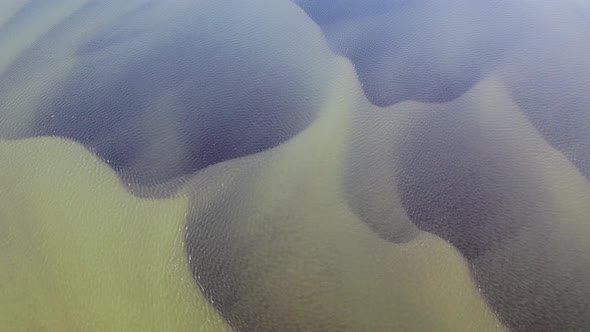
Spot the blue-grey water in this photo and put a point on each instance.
(295, 165)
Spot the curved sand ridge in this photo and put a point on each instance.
(335, 215)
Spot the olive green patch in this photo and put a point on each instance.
(80, 253)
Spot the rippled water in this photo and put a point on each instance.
(305, 165)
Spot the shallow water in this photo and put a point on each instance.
(305, 165)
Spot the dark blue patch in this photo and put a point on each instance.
(430, 50)
(325, 12)
(554, 97)
(480, 197)
(448, 181)
(160, 102)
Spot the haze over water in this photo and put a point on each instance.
(305, 165)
